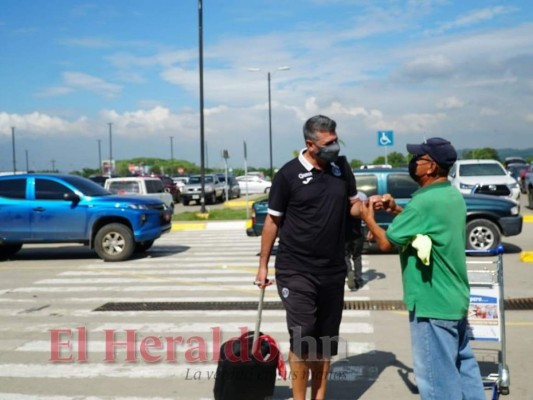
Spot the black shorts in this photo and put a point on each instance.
(314, 305)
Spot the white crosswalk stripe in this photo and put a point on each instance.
(51, 332)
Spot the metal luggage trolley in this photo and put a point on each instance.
(486, 313)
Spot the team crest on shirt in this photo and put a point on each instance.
(335, 170)
(306, 177)
(285, 292)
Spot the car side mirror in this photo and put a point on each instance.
(71, 197)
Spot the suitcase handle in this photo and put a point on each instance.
(255, 342)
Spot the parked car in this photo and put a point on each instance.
(100, 179)
(60, 208)
(514, 160)
(518, 172)
(232, 189)
(180, 182)
(170, 186)
(528, 183)
(213, 187)
(484, 177)
(253, 184)
(140, 186)
(488, 217)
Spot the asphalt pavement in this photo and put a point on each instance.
(59, 288)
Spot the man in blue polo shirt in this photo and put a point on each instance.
(308, 205)
(430, 235)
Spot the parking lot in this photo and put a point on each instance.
(59, 342)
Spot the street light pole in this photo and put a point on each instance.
(13, 145)
(285, 68)
(172, 150)
(110, 149)
(270, 127)
(201, 76)
(100, 156)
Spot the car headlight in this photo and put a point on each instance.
(466, 186)
(515, 210)
(138, 206)
(513, 185)
(209, 189)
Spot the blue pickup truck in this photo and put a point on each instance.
(488, 218)
(60, 208)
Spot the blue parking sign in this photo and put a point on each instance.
(385, 138)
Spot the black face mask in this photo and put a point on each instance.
(412, 169)
(329, 153)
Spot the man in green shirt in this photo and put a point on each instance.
(430, 235)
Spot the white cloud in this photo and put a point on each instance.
(450, 103)
(488, 112)
(427, 67)
(54, 91)
(473, 17)
(91, 83)
(40, 124)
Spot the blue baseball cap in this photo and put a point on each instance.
(439, 149)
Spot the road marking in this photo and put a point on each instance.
(526, 256)
(528, 218)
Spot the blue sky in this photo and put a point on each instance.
(457, 69)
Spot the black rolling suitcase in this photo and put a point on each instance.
(245, 372)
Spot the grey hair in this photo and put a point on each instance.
(318, 123)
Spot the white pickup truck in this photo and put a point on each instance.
(140, 186)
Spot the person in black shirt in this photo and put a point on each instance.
(308, 204)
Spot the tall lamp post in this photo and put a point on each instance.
(100, 156)
(201, 76)
(110, 149)
(13, 145)
(172, 149)
(285, 68)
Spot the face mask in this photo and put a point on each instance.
(329, 153)
(412, 169)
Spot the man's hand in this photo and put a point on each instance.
(261, 279)
(389, 204)
(366, 211)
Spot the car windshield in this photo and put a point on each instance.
(197, 179)
(86, 186)
(481, 169)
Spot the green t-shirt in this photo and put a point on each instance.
(439, 290)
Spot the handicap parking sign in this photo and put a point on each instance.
(385, 138)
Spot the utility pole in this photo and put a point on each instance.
(100, 156)
(13, 145)
(201, 72)
(110, 149)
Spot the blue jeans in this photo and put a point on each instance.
(444, 363)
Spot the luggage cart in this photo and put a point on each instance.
(486, 314)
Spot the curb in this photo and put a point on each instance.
(526, 256)
(211, 225)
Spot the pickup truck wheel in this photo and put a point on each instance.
(143, 246)
(114, 242)
(7, 250)
(482, 234)
(185, 202)
(213, 198)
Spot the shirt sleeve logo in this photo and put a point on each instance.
(335, 170)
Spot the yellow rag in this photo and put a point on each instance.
(422, 244)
